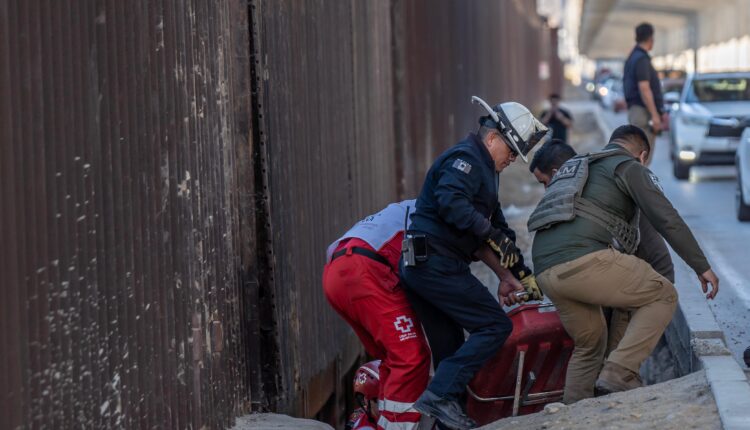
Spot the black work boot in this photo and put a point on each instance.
(448, 412)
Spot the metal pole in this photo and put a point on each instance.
(693, 37)
(519, 376)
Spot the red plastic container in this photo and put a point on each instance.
(538, 332)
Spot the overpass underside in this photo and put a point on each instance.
(691, 35)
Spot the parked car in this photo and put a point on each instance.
(600, 79)
(611, 95)
(609, 91)
(707, 122)
(743, 177)
(671, 88)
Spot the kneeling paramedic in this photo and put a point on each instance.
(458, 219)
(362, 284)
(586, 232)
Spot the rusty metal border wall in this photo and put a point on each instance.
(445, 52)
(353, 102)
(326, 149)
(171, 172)
(119, 124)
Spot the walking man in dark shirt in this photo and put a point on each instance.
(559, 120)
(642, 87)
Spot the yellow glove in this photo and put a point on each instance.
(531, 287)
(504, 248)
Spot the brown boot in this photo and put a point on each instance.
(614, 378)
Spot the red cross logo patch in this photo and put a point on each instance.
(403, 324)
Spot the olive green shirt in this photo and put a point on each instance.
(654, 251)
(621, 185)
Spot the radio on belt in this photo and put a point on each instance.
(414, 249)
(414, 246)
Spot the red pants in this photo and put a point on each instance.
(367, 294)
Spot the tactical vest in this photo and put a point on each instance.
(563, 201)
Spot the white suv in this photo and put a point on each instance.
(743, 177)
(707, 122)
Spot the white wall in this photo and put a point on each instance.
(723, 40)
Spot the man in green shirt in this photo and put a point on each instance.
(580, 270)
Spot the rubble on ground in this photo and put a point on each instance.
(679, 404)
(277, 422)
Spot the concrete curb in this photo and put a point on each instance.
(731, 390)
(728, 382)
(697, 341)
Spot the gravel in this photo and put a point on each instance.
(684, 403)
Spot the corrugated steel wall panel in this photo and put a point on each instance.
(173, 170)
(326, 137)
(447, 51)
(354, 100)
(120, 213)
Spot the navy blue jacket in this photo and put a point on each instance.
(458, 205)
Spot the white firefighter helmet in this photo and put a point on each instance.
(516, 123)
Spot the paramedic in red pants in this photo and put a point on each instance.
(362, 284)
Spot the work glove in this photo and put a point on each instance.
(530, 286)
(504, 248)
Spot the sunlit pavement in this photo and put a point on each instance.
(706, 202)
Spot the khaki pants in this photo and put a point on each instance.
(639, 116)
(581, 287)
(618, 323)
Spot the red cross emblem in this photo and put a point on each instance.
(403, 324)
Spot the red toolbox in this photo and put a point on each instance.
(540, 342)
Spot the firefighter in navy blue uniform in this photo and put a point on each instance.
(458, 219)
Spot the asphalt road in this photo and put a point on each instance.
(706, 202)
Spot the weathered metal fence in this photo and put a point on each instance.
(119, 123)
(172, 171)
(353, 102)
(326, 157)
(446, 52)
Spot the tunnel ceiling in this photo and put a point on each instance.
(607, 25)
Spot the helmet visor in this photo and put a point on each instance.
(536, 137)
(516, 142)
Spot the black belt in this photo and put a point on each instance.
(434, 246)
(363, 252)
